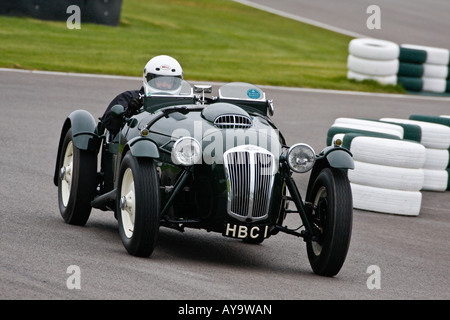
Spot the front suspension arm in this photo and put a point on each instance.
(297, 199)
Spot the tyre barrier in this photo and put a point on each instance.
(437, 164)
(435, 180)
(434, 135)
(423, 68)
(436, 159)
(373, 59)
(386, 176)
(395, 159)
(417, 68)
(399, 202)
(384, 80)
(384, 68)
(387, 152)
(405, 131)
(374, 49)
(436, 56)
(436, 140)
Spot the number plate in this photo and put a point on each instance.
(245, 232)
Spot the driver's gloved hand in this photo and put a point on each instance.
(134, 105)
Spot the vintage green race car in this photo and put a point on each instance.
(210, 162)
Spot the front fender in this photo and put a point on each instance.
(84, 130)
(340, 158)
(84, 135)
(330, 157)
(143, 147)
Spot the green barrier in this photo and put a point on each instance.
(412, 55)
(411, 83)
(348, 137)
(355, 132)
(432, 119)
(448, 180)
(410, 131)
(407, 69)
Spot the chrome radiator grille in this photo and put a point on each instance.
(232, 121)
(249, 171)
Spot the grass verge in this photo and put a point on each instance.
(214, 40)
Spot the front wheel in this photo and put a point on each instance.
(138, 205)
(77, 182)
(332, 217)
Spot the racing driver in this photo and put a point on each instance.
(162, 75)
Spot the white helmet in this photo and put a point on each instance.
(163, 75)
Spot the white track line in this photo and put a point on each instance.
(291, 89)
(71, 74)
(301, 19)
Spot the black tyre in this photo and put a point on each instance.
(332, 217)
(138, 205)
(77, 182)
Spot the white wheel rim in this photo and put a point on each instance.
(321, 193)
(127, 203)
(66, 174)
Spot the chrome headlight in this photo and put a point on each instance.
(186, 151)
(301, 157)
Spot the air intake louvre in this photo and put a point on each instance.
(249, 173)
(232, 121)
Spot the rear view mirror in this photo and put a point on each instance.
(200, 88)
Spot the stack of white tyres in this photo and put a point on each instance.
(437, 159)
(448, 166)
(373, 59)
(436, 140)
(424, 68)
(388, 173)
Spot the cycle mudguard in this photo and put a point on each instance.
(84, 135)
(143, 147)
(331, 157)
(84, 130)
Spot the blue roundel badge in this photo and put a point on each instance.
(253, 94)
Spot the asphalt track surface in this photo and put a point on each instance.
(402, 21)
(37, 247)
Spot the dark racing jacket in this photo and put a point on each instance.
(113, 125)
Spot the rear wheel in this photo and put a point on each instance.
(77, 182)
(138, 205)
(332, 219)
